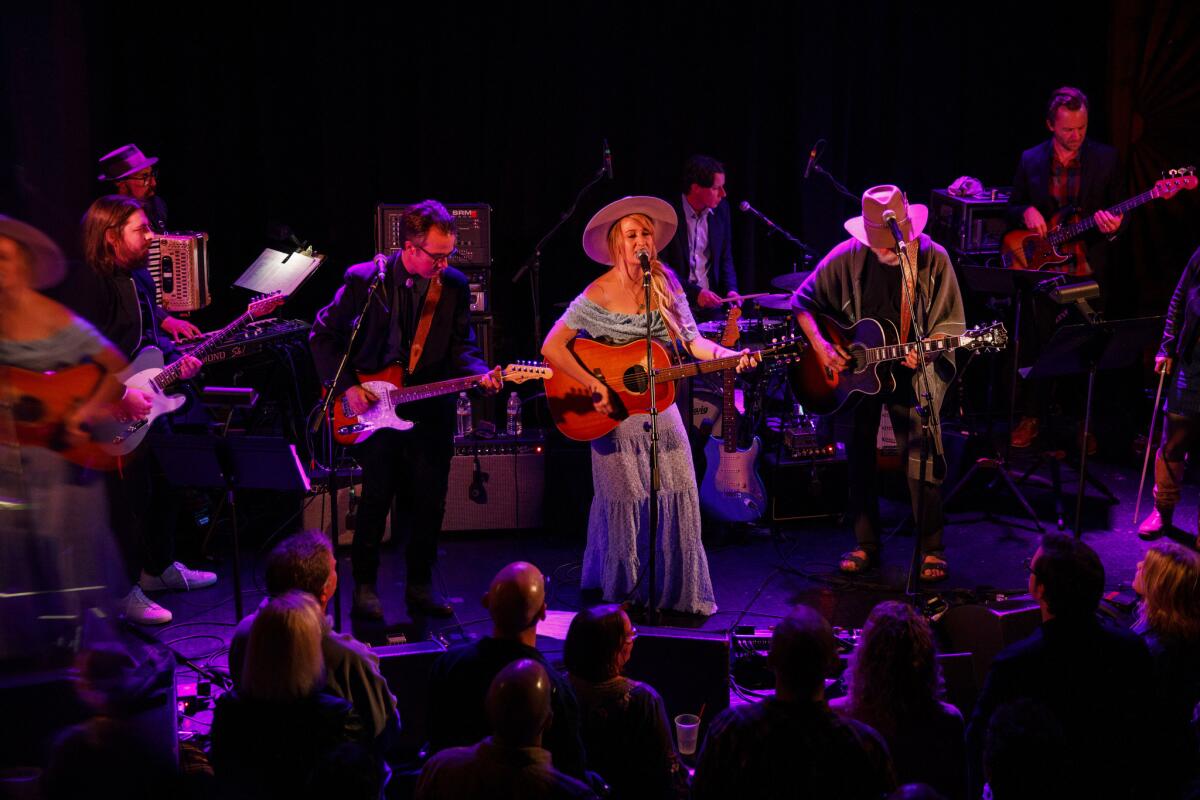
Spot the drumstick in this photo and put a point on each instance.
(737, 298)
(1149, 441)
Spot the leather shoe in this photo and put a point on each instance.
(422, 600)
(366, 603)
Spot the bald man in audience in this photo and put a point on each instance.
(459, 679)
(511, 762)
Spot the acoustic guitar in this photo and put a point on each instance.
(870, 347)
(623, 369)
(41, 402)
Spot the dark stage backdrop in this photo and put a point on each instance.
(270, 114)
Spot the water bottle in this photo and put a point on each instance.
(466, 425)
(514, 415)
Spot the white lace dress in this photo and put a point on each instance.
(617, 541)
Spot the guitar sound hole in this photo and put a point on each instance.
(635, 379)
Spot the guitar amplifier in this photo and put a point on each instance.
(969, 225)
(807, 488)
(179, 264)
(478, 280)
(496, 484)
(473, 221)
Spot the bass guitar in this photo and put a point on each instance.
(623, 369)
(1023, 249)
(388, 387)
(148, 373)
(823, 391)
(731, 490)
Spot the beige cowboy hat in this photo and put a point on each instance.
(871, 230)
(123, 162)
(46, 262)
(595, 235)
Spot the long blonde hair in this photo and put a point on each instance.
(283, 656)
(1171, 591)
(664, 286)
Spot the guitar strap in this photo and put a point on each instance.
(908, 284)
(423, 325)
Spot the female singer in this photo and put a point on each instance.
(612, 309)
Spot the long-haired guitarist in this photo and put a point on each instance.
(861, 279)
(116, 294)
(612, 308)
(422, 304)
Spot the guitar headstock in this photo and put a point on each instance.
(992, 337)
(266, 304)
(1175, 181)
(784, 350)
(521, 371)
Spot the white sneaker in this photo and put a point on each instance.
(141, 609)
(177, 577)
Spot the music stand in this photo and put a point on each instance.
(1017, 284)
(244, 462)
(1090, 347)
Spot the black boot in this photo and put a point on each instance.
(366, 603)
(421, 599)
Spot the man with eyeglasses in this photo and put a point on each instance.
(703, 257)
(133, 174)
(411, 467)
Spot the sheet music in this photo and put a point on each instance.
(275, 271)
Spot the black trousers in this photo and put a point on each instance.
(864, 480)
(410, 468)
(143, 511)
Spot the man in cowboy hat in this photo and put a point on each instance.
(862, 278)
(132, 174)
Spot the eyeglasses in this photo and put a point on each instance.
(143, 178)
(438, 258)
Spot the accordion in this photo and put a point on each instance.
(179, 264)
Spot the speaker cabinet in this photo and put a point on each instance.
(406, 667)
(985, 630)
(495, 491)
(690, 669)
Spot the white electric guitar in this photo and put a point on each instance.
(148, 374)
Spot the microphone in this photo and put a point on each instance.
(749, 209)
(643, 257)
(380, 265)
(607, 161)
(812, 159)
(889, 219)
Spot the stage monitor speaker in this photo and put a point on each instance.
(690, 669)
(985, 630)
(405, 667)
(495, 491)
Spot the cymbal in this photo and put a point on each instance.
(789, 281)
(775, 302)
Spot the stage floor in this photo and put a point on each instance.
(757, 575)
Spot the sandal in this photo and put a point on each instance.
(934, 569)
(858, 564)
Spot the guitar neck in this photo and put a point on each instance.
(895, 352)
(170, 373)
(699, 367)
(426, 391)
(1077, 229)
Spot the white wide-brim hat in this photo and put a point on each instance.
(595, 235)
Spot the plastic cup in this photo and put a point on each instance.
(687, 728)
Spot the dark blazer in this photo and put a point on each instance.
(1095, 681)
(450, 350)
(1099, 187)
(722, 276)
(109, 303)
